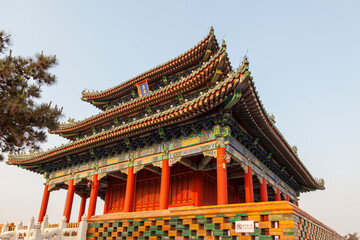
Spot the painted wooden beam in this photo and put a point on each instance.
(235, 175)
(204, 162)
(189, 164)
(118, 175)
(153, 169)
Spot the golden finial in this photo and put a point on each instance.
(223, 45)
(211, 29)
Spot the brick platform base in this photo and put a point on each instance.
(273, 220)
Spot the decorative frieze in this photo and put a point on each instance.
(145, 156)
(101, 175)
(172, 161)
(210, 153)
(175, 150)
(157, 164)
(138, 168)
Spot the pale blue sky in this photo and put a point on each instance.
(304, 57)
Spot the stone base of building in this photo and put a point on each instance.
(273, 220)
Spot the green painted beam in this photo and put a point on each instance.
(231, 101)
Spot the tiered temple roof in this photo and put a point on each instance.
(195, 79)
(190, 58)
(197, 84)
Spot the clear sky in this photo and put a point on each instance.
(304, 56)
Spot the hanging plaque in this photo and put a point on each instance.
(143, 87)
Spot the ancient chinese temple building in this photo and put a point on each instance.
(182, 151)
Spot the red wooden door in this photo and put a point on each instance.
(117, 197)
(147, 194)
(181, 189)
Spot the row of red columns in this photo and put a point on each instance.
(222, 195)
(249, 187)
(69, 200)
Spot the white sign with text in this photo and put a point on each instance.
(244, 226)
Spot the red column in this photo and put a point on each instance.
(69, 200)
(93, 196)
(263, 191)
(287, 198)
(297, 204)
(129, 194)
(222, 193)
(82, 207)
(107, 199)
(277, 195)
(197, 189)
(249, 188)
(44, 203)
(165, 183)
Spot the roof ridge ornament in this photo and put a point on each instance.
(295, 149)
(244, 67)
(320, 181)
(272, 119)
(223, 45)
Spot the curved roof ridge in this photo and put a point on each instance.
(87, 95)
(26, 158)
(117, 108)
(319, 182)
(271, 125)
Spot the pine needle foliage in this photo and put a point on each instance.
(23, 122)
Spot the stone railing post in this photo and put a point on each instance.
(36, 233)
(5, 228)
(29, 228)
(18, 227)
(45, 223)
(63, 223)
(82, 228)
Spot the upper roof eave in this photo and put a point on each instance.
(113, 112)
(111, 92)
